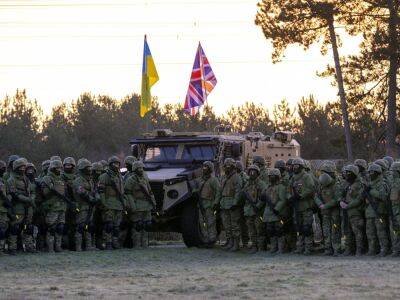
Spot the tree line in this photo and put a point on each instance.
(96, 126)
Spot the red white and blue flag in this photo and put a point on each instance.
(202, 82)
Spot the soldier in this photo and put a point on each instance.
(54, 206)
(276, 213)
(23, 201)
(141, 202)
(281, 166)
(111, 191)
(30, 173)
(243, 228)
(10, 162)
(353, 211)
(105, 165)
(5, 204)
(68, 175)
(302, 190)
(85, 198)
(97, 170)
(208, 191)
(259, 161)
(229, 202)
(389, 160)
(128, 162)
(362, 166)
(251, 196)
(376, 194)
(328, 202)
(55, 157)
(395, 201)
(289, 167)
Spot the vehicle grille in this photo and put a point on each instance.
(158, 191)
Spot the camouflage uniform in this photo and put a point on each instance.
(140, 202)
(276, 213)
(128, 162)
(285, 177)
(23, 200)
(38, 215)
(243, 227)
(97, 170)
(256, 228)
(302, 185)
(10, 162)
(259, 161)
(362, 166)
(68, 175)
(111, 190)
(231, 185)
(4, 203)
(377, 219)
(395, 200)
(328, 202)
(85, 199)
(209, 189)
(54, 206)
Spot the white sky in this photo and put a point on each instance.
(57, 49)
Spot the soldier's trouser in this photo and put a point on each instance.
(377, 228)
(251, 229)
(331, 230)
(231, 222)
(261, 233)
(305, 237)
(83, 229)
(396, 233)
(55, 222)
(111, 220)
(210, 221)
(276, 232)
(22, 226)
(141, 220)
(354, 234)
(3, 230)
(243, 229)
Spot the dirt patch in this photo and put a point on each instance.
(175, 272)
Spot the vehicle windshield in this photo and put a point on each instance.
(176, 153)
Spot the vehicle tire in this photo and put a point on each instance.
(190, 226)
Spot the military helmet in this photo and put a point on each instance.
(324, 180)
(20, 162)
(298, 161)
(209, 165)
(389, 160)
(54, 164)
(307, 165)
(280, 164)
(113, 159)
(395, 166)
(55, 157)
(30, 165)
(11, 159)
(239, 165)
(2, 164)
(328, 167)
(45, 164)
(254, 167)
(137, 164)
(229, 162)
(274, 172)
(129, 160)
(361, 163)
(259, 160)
(289, 162)
(383, 164)
(352, 168)
(84, 163)
(103, 162)
(375, 168)
(69, 160)
(97, 166)
(79, 160)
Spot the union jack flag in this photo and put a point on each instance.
(202, 82)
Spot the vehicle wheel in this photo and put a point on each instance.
(190, 226)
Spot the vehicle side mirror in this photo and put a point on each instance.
(135, 150)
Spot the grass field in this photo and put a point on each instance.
(177, 272)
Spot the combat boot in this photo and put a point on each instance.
(78, 242)
(228, 245)
(281, 245)
(144, 239)
(235, 247)
(108, 246)
(2, 247)
(49, 242)
(136, 239)
(328, 252)
(274, 245)
(359, 252)
(57, 242)
(253, 249)
(115, 243)
(384, 252)
(88, 242)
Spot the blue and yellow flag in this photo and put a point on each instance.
(149, 78)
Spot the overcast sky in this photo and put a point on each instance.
(58, 49)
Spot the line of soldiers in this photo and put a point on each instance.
(73, 205)
(280, 205)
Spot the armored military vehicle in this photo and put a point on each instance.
(173, 161)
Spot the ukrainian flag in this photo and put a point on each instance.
(149, 78)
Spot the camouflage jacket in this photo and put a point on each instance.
(330, 197)
(230, 191)
(3, 190)
(69, 182)
(354, 198)
(379, 192)
(111, 190)
(53, 202)
(395, 195)
(304, 185)
(22, 191)
(208, 189)
(278, 194)
(264, 175)
(136, 195)
(254, 188)
(83, 189)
